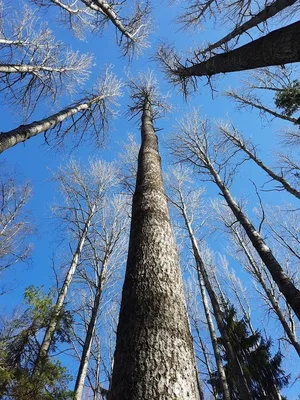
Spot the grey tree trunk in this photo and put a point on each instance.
(25, 132)
(237, 371)
(277, 48)
(268, 12)
(31, 69)
(86, 352)
(274, 303)
(207, 365)
(46, 343)
(154, 357)
(214, 340)
(284, 283)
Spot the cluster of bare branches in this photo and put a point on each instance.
(15, 221)
(144, 88)
(132, 30)
(87, 118)
(74, 14)
(196, 144)
(34, 65)
(268, 80)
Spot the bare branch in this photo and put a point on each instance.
(86, 119)
(36, 66)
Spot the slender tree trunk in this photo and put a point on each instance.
(207, 364)
(268, 12)
(31, 69)
(274, 303)
(154, 357)
(284, 283)
(25, 132)
(46, 343)
(277, 48)
(214, 340)
(243, 100)
(8, 42)
(86, 352)
(238, 373)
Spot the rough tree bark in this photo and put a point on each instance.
(277, 48)
(268, 12)
(154, 355)
(284, 283)
(25, 132)
(241, 382)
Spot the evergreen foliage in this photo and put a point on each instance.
(289, 99)
(263, 371)
(19, 349)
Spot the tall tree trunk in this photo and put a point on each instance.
(154, 357)
(25, 132)
(274, 303)
(86, 352)
(268, 12)
(238, 373)
(207, 364)
(277, 48)
(46, 343)
(284, 283)
(214, 340)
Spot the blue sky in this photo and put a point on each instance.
(34, 160)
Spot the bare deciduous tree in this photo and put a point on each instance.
(103, 255)
(253, 101)
(15, 225)
(243, 253)
(75, 14)
(34, 65)
(241, 385)
(153, 314)
(274, 81)
(83, 193)
(238, 11)
(283, 224)
(128, 160)
(86, 118)
(133, 31)
(196, 144)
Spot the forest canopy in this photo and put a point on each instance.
(149, 199)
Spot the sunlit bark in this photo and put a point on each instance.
(154, 353)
